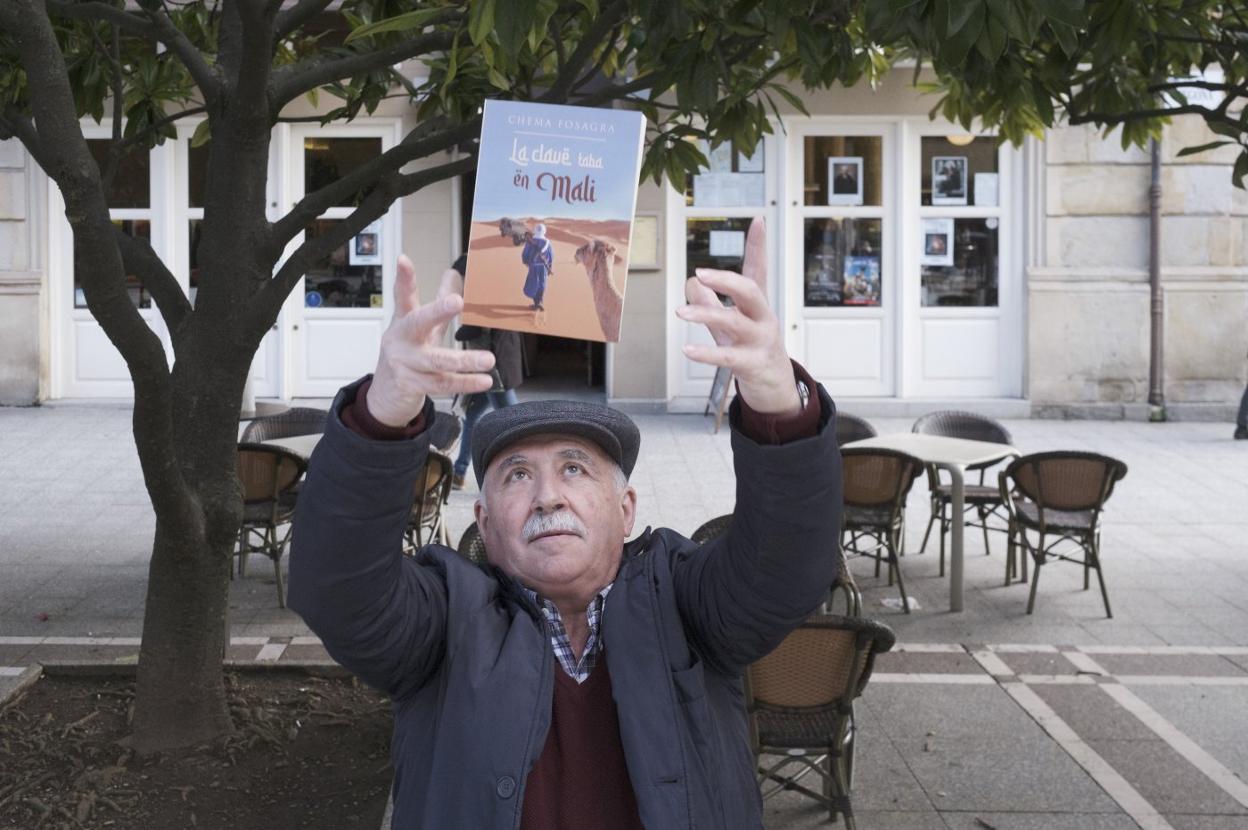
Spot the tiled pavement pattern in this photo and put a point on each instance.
(1141, 720)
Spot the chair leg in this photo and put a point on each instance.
(931, 521)
(277, 573)
(244, 550)
(943, 528)
(893, 563)
(1035, 577)
(983, 523)
(1100, 575)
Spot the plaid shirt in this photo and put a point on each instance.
(578, 671)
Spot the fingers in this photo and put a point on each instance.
(755, 265)
(731, 357)
(745, 293)
(451, 283)
(406, 293)
(424, 324)
(439, 360)
(727, 325)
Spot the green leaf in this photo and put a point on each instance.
(1222, 128)
(1069, 12)
(480, 20)
(512, 20)
(1241, 170)
(961, 12)
(498, 79)
(1203, 148)
(992, 42)
(398, 23)
(793, 100)
(203, 134)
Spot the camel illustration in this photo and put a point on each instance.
(515, 229)
(598, 257)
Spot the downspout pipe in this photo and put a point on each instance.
(1156, 365)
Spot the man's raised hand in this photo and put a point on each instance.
(748, 339)
(413, 363)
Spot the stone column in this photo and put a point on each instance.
(21, 284)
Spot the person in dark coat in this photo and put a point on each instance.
(580, 679)
(506, 347)
(540, 257)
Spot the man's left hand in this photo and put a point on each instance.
(748, 339)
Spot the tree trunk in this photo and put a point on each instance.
(180, 698)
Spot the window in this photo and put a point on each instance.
(130, 206)
(959, 220)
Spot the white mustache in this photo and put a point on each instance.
(559, 522)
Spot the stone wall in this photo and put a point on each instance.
(1088, 294)
(21, 283)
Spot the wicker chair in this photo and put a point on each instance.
(982, 498)
(444, 433)
(472, 545)
(426, 523)
(877, 482)
(852, 428)
(1059, 496)
(845, 584)
(268, 475)
(801, 704)
(299, 420)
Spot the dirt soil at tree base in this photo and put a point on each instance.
(309, 752)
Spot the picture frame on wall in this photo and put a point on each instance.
(365, 247)
(949, 184)
(844, 180)
(937, 238)
(861, 281)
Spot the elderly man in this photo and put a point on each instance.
(581, 680)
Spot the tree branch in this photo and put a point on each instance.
(13, 124)
(607, 19)
(268, 302)
(290, 82)
(139, 258)
(130, 21)
(204, 75)
(297, 15)
(1116, 118)
(420, 142)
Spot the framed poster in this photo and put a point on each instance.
(949, 183)
(844, 180)
(937, 235)
(365, 247)
(861, 280)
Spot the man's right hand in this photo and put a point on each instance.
(413, 363)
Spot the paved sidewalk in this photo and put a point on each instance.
(986, 718)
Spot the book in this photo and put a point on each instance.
(552, 218)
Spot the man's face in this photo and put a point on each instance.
(553, 515)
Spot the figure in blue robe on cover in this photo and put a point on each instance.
(539, 256)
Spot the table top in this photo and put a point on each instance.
(939, 449)
(301, 445)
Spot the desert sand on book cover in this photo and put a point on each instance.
(552, 217)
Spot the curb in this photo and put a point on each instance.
(14, 683)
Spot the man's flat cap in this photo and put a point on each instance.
(610, 429)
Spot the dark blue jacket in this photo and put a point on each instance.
(467, 661)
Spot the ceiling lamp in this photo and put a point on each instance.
(960, 140)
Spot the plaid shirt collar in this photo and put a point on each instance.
(577, 670)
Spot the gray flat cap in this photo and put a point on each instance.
(610, 429)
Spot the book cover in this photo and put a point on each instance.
(552, 219)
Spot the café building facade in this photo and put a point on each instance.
(914, 265)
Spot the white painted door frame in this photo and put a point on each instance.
(811, 331)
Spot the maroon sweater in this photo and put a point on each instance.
(581, 778)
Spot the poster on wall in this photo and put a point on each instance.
(862, 281)
(365, 247)
(986, 190)
(949, 180)
(844, 180)
(937, 242)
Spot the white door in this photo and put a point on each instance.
(706, 228)
(187, 195)
(841, 294)
(341, 307)
(86, 364)
(963, 270)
